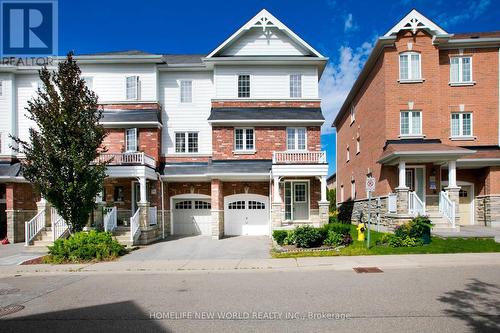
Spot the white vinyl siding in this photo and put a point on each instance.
(184, 117)
(460, 69)
(295, 86)
(1, 88)
(409, 66)
(186, 91)
(186, 142)
(89, 81)
(244, 139)
(26, 89)
(267, 82)
(296, 138)
(411, 123)
(461, 124)
(132, 87)
(243, 86)
(131, 139)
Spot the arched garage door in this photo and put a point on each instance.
(246, 214)
(191, 216)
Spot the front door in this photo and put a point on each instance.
(464, 209)
(415, 182)
(3, 214)
(296, 201)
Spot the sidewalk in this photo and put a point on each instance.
(384, 262)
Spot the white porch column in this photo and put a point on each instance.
(452, 174)
(276, 190)
(402, 174)
(143, 191)
(323, 188)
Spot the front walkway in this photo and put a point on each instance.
(204, 247)
(471, 231)
(14, 254)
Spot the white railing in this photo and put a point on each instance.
(59, 226)
(299, 157)
(153, 216)
(110, 219)
(392, 205)
(127, 159)
(447, 207)
(135, 230)
(33, 227)
(415, 205)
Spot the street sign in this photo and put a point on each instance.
(370, 184)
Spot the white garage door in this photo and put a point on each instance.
(192, 217)
(246, 214)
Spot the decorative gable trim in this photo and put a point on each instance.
(415, 21)
(264, 20)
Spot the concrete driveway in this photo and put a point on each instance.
(204, 247)
(14, 254)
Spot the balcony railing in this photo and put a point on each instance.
(299, 157)
(136, 158)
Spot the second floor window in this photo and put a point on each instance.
(295, 86)
(244, 139)
(461, 124)
(411, 123)
(186, 142)
(132, 87)
(409, 66)
(131, 139)
(460, 69)
(89, 81)
(296, 138)
(186, 91)
(243, 85)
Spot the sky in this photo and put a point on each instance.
(343, 31)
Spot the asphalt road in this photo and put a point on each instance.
(448, 299)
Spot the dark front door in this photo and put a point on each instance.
(3, 214)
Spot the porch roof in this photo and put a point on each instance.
(420, 151)
(8, 170)
(226, 115)
(142, 117)
(484, 156)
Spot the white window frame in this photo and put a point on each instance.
(341, 193)
(135, 90)
(358, 145)
(410, 124)
(460, 71)
(353, 114)
(353, 190)
(296, 139)
(185, 99)
(245, 147)
(295, 92)
(461, 125)
(186, 142)
(89, 81)
(136, 143)
(410, 77)
(249, 85)
(348, 154)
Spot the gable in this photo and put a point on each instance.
(415, 21)
(258, 42)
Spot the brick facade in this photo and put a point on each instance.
(149, 141)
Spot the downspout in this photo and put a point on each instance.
(162, 207)
(270, 203)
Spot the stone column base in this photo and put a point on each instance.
(143, 214)
(276, 215)
(149, 235)
(217, 224)
(41, 205)
(324, 207)
(15, 224)
(402, 201)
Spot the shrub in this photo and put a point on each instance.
(340, 228)
(290, 238)
(83, 246)
(307, 236)
(347, 240)
(420, 226)
(333, 219)
(405, 241)
(333, 239)
(279, 236)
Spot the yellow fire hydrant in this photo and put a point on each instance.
(361, 231)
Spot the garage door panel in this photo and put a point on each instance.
(192, 217)
(246, 214)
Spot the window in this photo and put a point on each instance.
(244, 139)
(131, 139)
(296, 85)
(348, 154)
(89, 81)
(296, 138)
(411, 123)
(409, 66)
(186, 91)
(358, 145)
(183, 204)
(341, 193)
(300, 193)
(132, 87)
(256, 205)
(243, 86)
(353, 114)
(202, 205)
(460, 69)
(186, 142)
(353, 189)
(237, 205)
(461, 124)
(118, 194)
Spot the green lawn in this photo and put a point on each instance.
(438, 245)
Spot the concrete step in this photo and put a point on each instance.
(444, 227)
(42, 243)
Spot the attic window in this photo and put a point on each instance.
(243, 86)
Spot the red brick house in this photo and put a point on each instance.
(423, 118)
(221, 144)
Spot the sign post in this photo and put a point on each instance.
(370, 187)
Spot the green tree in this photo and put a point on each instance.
(64, 144)
(332, 197)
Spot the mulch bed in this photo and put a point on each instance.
(34, 261)
(293, 248)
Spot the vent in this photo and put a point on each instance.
(367, 270)
(8, 291)
(10, 309)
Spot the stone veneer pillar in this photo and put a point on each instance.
(324, 207)
(217, 209)
(276, 215)
(44, 204)
(402, 201)
(143, 214)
